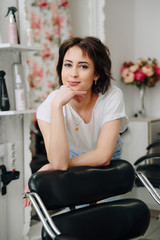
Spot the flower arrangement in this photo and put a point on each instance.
(142, 73)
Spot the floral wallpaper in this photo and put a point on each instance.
(51, 25)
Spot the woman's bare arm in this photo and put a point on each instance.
(54, 133)
(105, 148)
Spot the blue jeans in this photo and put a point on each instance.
(116, 155)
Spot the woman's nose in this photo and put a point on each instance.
(74, 72)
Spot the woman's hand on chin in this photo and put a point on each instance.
(66, 93)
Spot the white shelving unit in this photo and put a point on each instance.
(15, 129)
(17, 47)
(13, 112)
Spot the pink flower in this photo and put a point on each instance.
(48, 36)
(43, 4)
(123, 67)
(130, 63)
(46, 52)
(54, 11)
(157, 70)
(35, 21)
(148, 70)
(128, 76)
(56, 31)
(63, 3)
(60, 21)
(133, 68)
(50, 84)
(143, 73)
(37, 71)
(125, 72)
(139, 75)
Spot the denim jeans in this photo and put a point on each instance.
(116, 155)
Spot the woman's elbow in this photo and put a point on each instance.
(106, 160)
(58, 163)
(59, 166)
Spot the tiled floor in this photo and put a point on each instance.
(153, 232)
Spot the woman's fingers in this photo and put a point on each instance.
(26, 201)
(80, 93)
(76, 99)
(66, 93)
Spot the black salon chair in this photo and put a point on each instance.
(119, 219)
(149, 165)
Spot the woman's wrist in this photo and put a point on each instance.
(56, 105)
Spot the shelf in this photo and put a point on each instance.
(17, 47)
(146, 119)
(14, 112)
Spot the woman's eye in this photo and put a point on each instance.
(84, 66)
(67, 65)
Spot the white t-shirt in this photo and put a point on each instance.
(109, 106)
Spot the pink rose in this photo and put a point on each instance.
(130, 63)
(125, 72)
(123, 67)
(157, 70)
(139, 75)
(133, 68)
(128, 76)
(148, 70)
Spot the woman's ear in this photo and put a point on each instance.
(96, 77)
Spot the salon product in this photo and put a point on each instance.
(4, 99)
(19, 94)
(12, 26)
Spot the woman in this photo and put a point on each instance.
(81, 121)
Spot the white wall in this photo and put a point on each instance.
(147, 44)
(132, 31)
(79, 17)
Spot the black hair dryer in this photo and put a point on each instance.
(7, 177)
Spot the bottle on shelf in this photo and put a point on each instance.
(4, 99)
(19, 93)
(13, 37)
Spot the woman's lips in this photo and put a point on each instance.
(73, 83)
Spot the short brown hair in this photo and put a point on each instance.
(99, 54)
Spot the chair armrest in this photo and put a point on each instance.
(82, 185)
(145, 157)
(152, 145)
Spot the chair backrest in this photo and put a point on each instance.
(115, 219)
(81, 185)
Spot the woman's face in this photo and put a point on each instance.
(78, 69)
